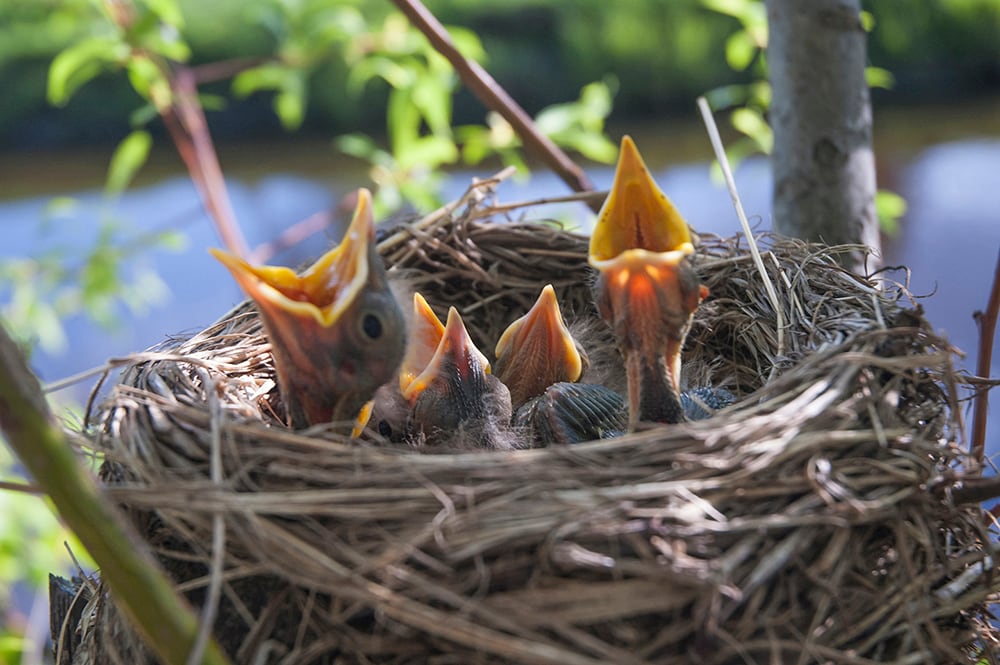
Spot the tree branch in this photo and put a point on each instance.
(987, 322)
(977, 490)
(194, 143)
(138, 585)
(494, 97)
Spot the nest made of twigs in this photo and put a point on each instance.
(811, 522)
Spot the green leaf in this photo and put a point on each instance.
(878, 77)
(403, 122)
(172, 241)
(867, 21)
(149, 81)
(752, 123)
(80, 63)
(468, 43)
(890, 208)
(596, 99)
(168, 11)
(432, 97)
(128, 158)
(595, 146)
(265, 77)
(429, 152)
(290, 106)
(740, 50)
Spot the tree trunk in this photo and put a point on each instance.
(824, 167)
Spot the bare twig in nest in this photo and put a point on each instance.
(987, 330)
(720, 155)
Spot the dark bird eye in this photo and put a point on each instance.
(371, 325)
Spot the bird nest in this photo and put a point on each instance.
(814, 521)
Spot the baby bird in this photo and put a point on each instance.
(541, 362)
(646, 290)
(447, 395)
(336, 331)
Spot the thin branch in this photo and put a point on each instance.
(25, 488)
(211, 72)
(987, 330)
(202, 162)
(291, 236)
(976, 490)
(185, 120)
(494, 97)
(141, 588)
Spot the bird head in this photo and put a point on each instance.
(537, 350)
(646, 289)
(455, 393)
(336, 332)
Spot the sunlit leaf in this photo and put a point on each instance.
(429, 152)
(172, 241)
(290, 103)
(128, 158)
(867, 21)
(149, 81)
(596, 147)
(80, 63)
(556, 118)
(357, 145)
(402, 122)
(264, 77)
(394, 73)
(468, 44)
(752, 123)
(433, 98)
(596, 99)
(740, 50)
(890, 208)
(878, 77)
(168, 11)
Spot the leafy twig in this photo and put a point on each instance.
(494, 97)
(987, 330)
(142, 590)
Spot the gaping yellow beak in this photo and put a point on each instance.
(456, 360)
(637, 214)
(326, 288)
(336, 332)
(646, 289)
(537, 350)
(426, 331)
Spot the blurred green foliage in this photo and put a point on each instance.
(148, 40)
(663, 53)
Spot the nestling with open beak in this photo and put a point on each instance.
(541, 362)
(455, 399)
(336, 332)
(646, 289)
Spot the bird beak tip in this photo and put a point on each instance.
(636, 214)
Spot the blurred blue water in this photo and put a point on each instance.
(950, 239)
